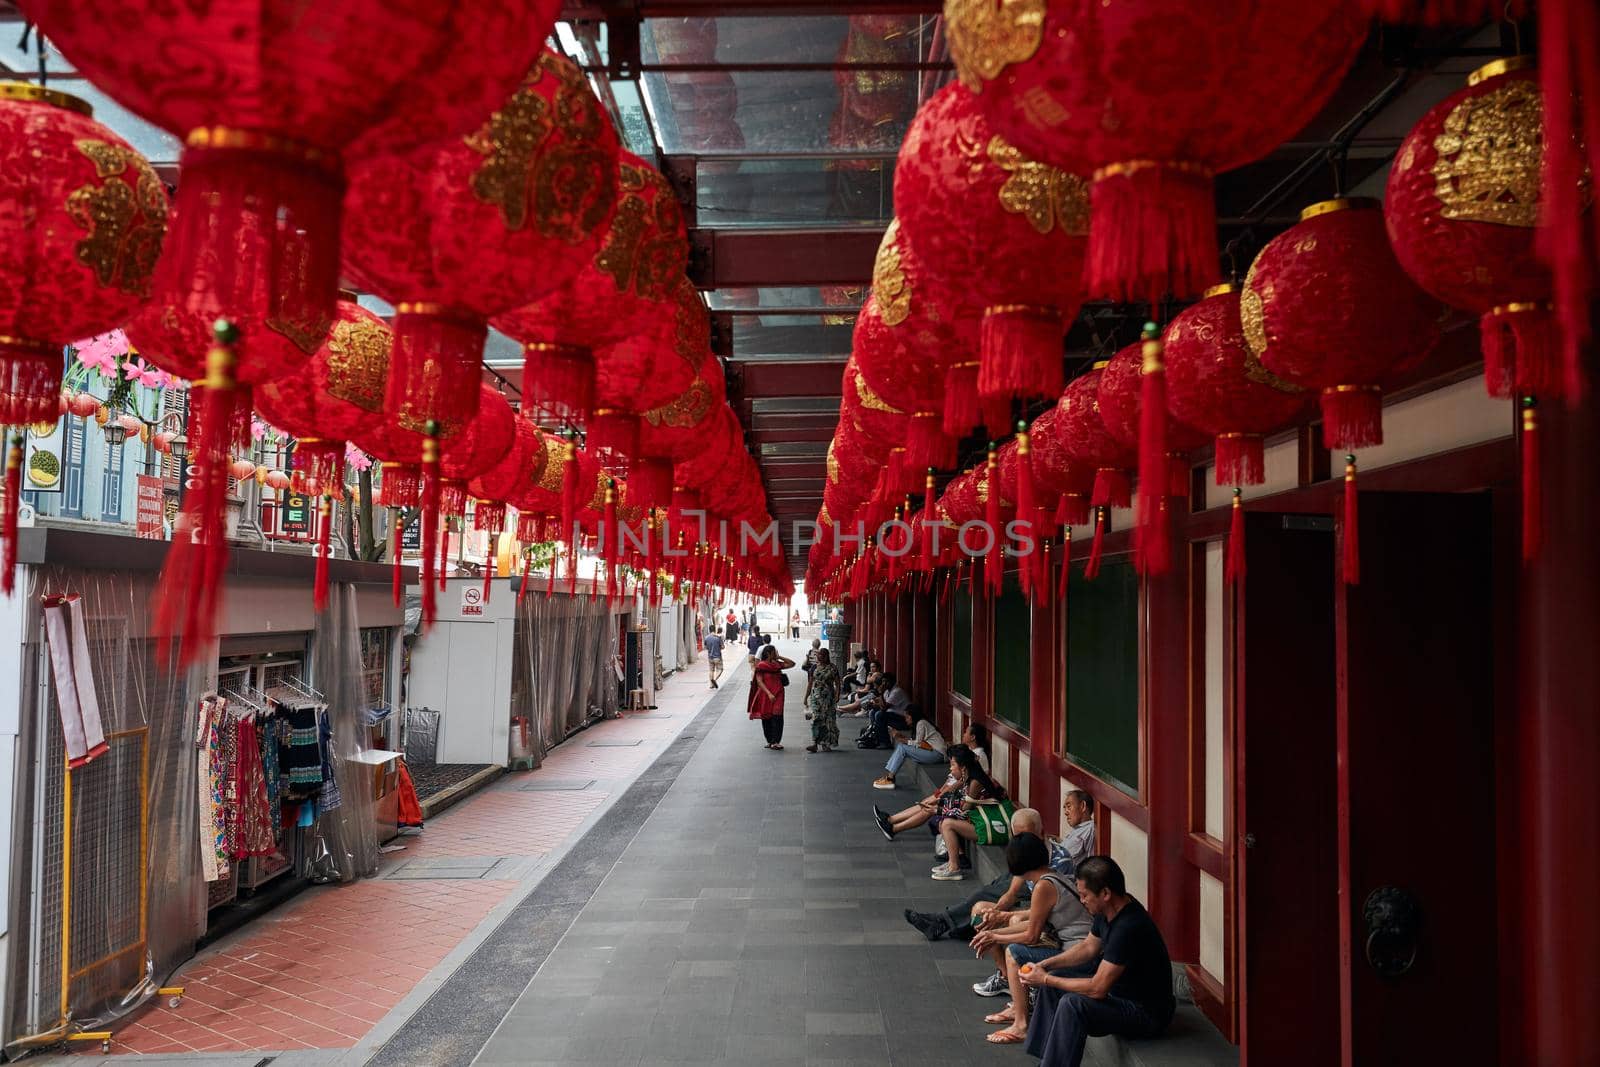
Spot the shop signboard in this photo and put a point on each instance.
(411, 537)
(42, 469)
(296, 513)
(151, 508)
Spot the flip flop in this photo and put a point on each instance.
(1006, 1037)
(1005, 1015)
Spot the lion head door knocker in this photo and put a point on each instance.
(1394, 923)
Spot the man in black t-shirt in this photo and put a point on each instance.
(1118, 980)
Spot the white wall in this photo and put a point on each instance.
(1130, 847)
(1216, 607)
(1213, 928)
(1000, 762)
(1024, 765)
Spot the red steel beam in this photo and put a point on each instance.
(726, 259)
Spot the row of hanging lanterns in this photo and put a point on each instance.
(468, 175)
(1331, 312)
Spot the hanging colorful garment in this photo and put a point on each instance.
(301, 752)
(331, 797)
(228, 729)
(209, 764)
(267, 730)
(253, 816)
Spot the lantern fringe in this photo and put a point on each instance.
(30, 382)
(1350, 555)
(1102, 519)
(1152, 231)
(523, 583)
(321, 462)
(965, 410)
(1072, 510)
(319, 593)
(649, 482)
(1020, 352)
(256, 227)
(434, 369)
(1154, 548)
(612, 435)
(1111, 489)
(569, 493)
(558, 380)
(1532, 485)
(1241, 459)
(1352, 417)
(8, 523)
(1234, 566)
(400, 485)
(927, 445)
(191, 582)
(453, 496)
(1521, 351)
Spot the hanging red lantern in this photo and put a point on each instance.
(337, 397)
(1216, 384)
(903, 345)
(1003, 235)
(1444, 12)
(619, 292)
(1057, 475)
(465, 228)
(1087, 441)
(277, 480)
(480, 447)
(1462, 211)
(643, 370)
(1326, 306)
(1151, 98)
(676, 431)
(79, 249)
(84, 405)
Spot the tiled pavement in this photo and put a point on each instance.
(342, 967)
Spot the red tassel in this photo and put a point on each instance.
(994, 563)
(558, 380)
(929, 526)
(1072, 510)
(1177, 476)
(1066, 563)
(1111, 489)
(319, 595)
(1521, 350)
(321, 461)
(1102, 519)
(400, 485)
(1233, 562)
(396, 580)
(30, 381)
(927, 445)
(1351, 554)
(1020, 352)
(527, 577)
(569, 492)
(444, 548)
(612, 435)
(1352, 416)
(1154, 548)
(488, 576)
(1532, 485)
(8, 531)
(430, 527)
(1241, 459)
(610, 535)
(434, 369)
(961, 413)
(649, 482)
(1152, 231)
(1444, 12)
(191, 581)
(1027, 511)
(1569, 234)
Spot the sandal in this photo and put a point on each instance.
(1006, 1037)
(776, 748)
(1008, 1014)
(811, 748)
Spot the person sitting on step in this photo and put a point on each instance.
(949, 800)
(1055, 919)
(1004, 891)
(924, 745)
(1117, 980)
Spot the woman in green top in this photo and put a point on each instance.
(823, 700)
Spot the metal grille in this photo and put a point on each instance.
(422, 737)
(107, 886)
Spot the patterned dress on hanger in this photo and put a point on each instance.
(253, 817)
(210, 764)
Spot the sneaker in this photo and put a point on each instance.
(884, 783)
(931, 927)
(942, 873)
(884, 826)
(995, 985)
(941, 851)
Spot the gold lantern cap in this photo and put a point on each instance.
(1343, 203)
(28, 92)
(1500, 67)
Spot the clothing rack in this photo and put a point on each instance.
(299, 690)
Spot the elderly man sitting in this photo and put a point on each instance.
(1006, 896)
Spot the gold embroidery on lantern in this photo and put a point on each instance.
(1040, 193)
(1490, 152)
(872, 401)
(983, 491)
(124, 217)
(571, 193)
(889, 285)
(632, 255)
(833, 464)
(577, 110)
(1252, 319)
(555, 464)
(508, 143)
(358, 363)
(687, 409)
(985, 37)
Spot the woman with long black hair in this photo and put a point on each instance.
(981, 791)
(766, 694)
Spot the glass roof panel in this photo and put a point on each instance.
(795, 298)
(794, 191)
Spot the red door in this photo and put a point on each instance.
(1417, 805)
(1285, 827)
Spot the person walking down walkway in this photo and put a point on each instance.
(794, 626)
(822, 699)
(766, 694)
(714, 657)
(730, 628)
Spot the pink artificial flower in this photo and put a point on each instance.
(102, 351)
(356, 459)
(258, 429)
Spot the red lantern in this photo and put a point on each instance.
(277, 480)
(1057, 475)
(1151, 97)
(79, 249)
(1462, 210)
(1326, 306)
(619, 292)
(645, 370)
(1002, 234)
(479, 448)
(465, 228)
(1087, 441)
(84, 405)
(1216, 384)
(904, 343)
(522, 465)
(337, 397)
